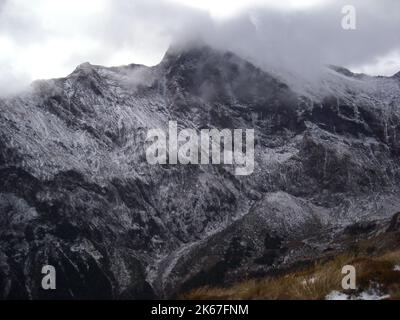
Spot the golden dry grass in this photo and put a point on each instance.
(314, 283)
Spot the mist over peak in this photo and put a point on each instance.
(282, 38)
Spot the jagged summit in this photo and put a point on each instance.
(346, 72)
(351, 74)
(196, 52)
(85, 68)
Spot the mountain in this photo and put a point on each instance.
(77, 192)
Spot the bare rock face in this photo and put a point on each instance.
(394, 223)
(77, 192)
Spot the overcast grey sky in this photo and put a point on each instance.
(48, 38)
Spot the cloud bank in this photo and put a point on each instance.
(50, 38)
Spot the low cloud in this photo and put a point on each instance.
(50, 39)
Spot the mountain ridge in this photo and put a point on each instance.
(72, 155)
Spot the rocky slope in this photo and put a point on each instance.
(371, 247)
(77, 192)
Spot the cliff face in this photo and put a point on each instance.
(77, 192)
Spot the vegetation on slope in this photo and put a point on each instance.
(377, 273)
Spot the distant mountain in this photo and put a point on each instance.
(77, 192)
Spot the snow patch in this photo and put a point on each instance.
(336, 295)
(365, 295)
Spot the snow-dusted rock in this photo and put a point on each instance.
(76, 190)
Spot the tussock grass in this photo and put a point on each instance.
(314, 283)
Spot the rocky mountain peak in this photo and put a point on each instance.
(85, 68)
(78, 192)
(346, 72)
